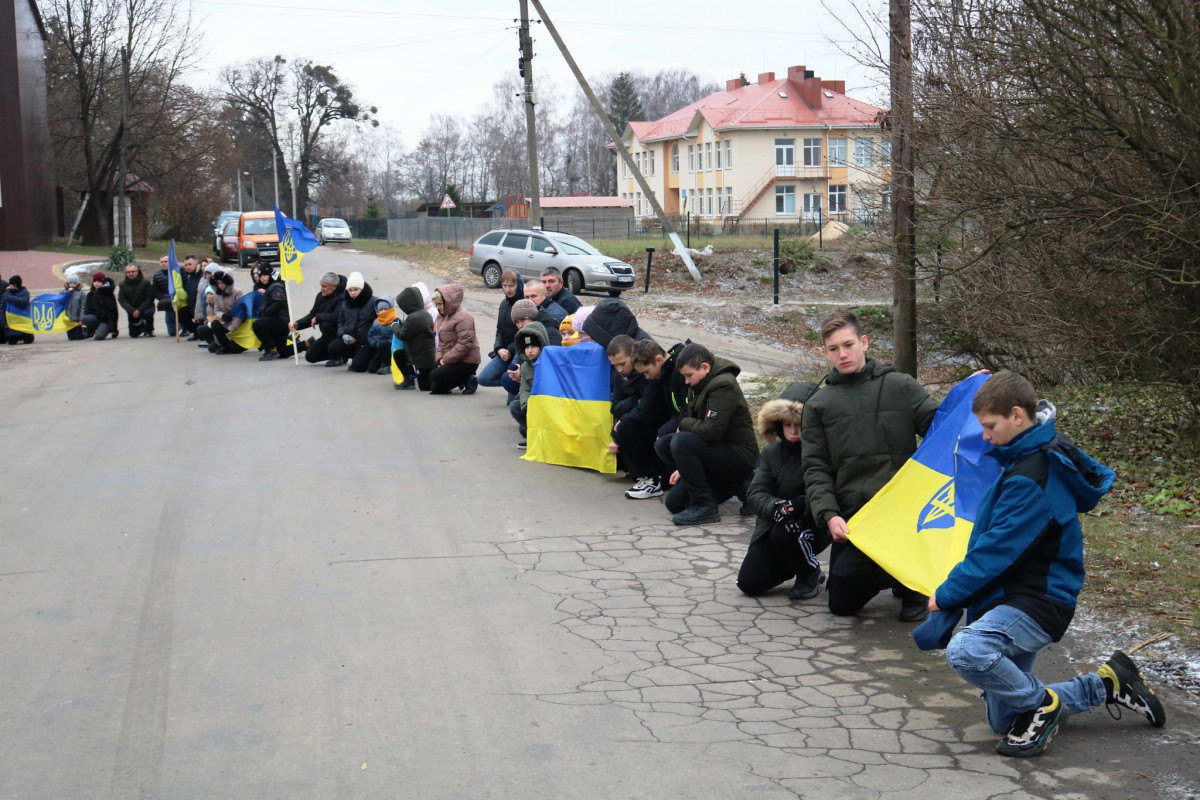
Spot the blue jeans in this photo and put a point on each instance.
(492, 371)
(996, 653)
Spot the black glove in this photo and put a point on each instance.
(784, 509)
(226, 318)
(795, 528)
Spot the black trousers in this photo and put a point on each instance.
(707, 470)
(143, 325)
(271, 331)
(636, 440)
(405, 365)
(450, 376)
(775, 559)
(318, 349)
(357, 356)
(217, 336)
(854, 579)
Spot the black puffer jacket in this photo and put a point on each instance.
(324, 313)
(612, 318)
(275, 301)
(137, 294)
(162, 288)
(779, 474)
(102, 304)
(858, 431)
(356, 315)
(416, 331)
(506, 329)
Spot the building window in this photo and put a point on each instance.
(863, 152)
(707, 156)
(729, 200)
(812, 207)
(651, 154)
(718, 155)
(812, 152)
(638, 203)
(785, 152)
(710, 201)
(785, 199)
(728, 154)
(885, 152)
(675, 157)
(720, 200)
(837, 152)
(837, 199)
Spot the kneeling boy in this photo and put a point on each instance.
(1022, 574)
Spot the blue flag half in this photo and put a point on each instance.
(294, 241)
(918, 525)
(44, 314)
(570, 412)
(175, 288)
(247, 310)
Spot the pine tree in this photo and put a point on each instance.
(624, 105)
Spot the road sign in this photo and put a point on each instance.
(448, 203)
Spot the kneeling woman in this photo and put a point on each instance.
(785, 542)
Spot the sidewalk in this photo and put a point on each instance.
(40, 271)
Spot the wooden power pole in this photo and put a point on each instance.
(904, 211)
(535, 191)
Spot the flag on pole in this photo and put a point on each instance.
(175, 288)
(570, 417)
(294, 241)
(44, 314)
(918, 525)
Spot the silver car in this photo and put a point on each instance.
(583, 267)
(332, 229)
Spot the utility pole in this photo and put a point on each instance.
(615, 135)
(535, 192)
(238, 175)
(122, 211)
(275, 175)
(904, 212)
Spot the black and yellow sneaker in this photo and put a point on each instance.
(1126, 689)
(1033, 730)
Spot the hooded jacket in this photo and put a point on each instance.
(417, 329)
(75, 303)
(274, 301)
(356, 314)
(858, 431)
(1026, 547)
(221, 304)
(532, 332)
(456, 329)
(324, 312)
(566, 299)
(506, 329)
(779, 474)
(718, 412)
(136, 294)
(102, 304)
(612, 318)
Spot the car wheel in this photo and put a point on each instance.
(491, 275)
(573, 278)
(614, 292)
(242, 261)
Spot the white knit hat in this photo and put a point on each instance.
(355, 281)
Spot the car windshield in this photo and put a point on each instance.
(335, 223)
(259, 226)
(576, 247)
(231, 228)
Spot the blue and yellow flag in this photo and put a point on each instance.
(570, 413)
(294, 241)
(45, 314)
(175, 288)
(247, 310)
(918, 525)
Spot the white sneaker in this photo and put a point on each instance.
(644, 489)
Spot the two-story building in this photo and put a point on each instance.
(782, 148)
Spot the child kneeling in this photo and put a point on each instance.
(530, 341)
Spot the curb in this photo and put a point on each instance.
(58, 269)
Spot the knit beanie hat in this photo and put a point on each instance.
(99, 277)
(74, 278)
(355, 281)
(581, 317)
(15, 280)
(524, 309)
(213, 268)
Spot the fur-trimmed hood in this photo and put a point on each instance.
(776, 412)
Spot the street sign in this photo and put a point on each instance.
(448, 203)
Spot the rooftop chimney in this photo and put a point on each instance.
(765, 77)
(733, 84)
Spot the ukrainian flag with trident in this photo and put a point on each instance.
(294, 241)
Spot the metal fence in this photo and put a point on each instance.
(462, 231)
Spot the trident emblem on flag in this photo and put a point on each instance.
(43, 315)
(939, 512)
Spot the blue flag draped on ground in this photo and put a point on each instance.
(570, 412)
(247, 310)
(175, 288)
(294, 241)
(45, 314)
(918, 525)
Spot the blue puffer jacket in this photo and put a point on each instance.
(1026, 548)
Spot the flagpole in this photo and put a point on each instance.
(176, 309)
(287, 290)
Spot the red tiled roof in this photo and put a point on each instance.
(762, 106)
(585, 202)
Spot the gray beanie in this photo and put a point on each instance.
(524, 309)
(330, 277)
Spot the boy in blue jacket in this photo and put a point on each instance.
(1022, 574)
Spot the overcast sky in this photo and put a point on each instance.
(417, 58)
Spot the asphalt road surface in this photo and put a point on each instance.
(225, 578)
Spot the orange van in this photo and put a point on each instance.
(257, 236)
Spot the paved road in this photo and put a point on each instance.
(222, 578)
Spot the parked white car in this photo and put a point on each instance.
(528, 251)
(332, 229)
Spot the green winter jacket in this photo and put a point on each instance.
(537, 332)
(718, 412)
(416, 331)
(858, 430)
